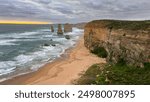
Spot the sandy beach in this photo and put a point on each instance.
(62, 71)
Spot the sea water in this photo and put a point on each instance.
(22, 47)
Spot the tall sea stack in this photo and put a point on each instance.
(59, 32)
(52, 28)
(67, 28)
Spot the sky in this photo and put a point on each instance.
(73, 11)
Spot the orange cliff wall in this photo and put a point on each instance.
(131, 45)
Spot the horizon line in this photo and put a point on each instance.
(23, 22)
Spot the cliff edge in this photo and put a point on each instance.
(124, 41)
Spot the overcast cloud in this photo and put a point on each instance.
(74, 10)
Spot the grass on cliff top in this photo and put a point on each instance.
(128, 25)
(115, 75)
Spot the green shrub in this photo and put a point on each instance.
(89, 76)
(147, 65)
(126, 75)
(100, 51)
(119, 74)
(121, 62)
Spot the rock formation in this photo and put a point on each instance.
(53, 44)
(67, 37)
(67, 28)
(52, 28)
(46, 44)
(60, 31)
(127, 41)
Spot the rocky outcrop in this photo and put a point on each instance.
(67, 27)
(46, 44)
(127, 41)
(67, 37)
(60, 31)
(52, 28)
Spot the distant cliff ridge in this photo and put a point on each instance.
(126, 41)
(79, 25)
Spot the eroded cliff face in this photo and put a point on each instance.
(59, 31)
(67, 27)
(126, 41)
(52, 28)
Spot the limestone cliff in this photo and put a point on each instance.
(52, 28)
(67, 27)
(127, 41)
(60, 31)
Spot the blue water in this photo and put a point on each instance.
(22, 47)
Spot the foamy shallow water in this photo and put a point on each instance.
(24, 52)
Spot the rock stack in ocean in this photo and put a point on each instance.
(67, 28)
(52, 28)
(59, 32)
(67, 37)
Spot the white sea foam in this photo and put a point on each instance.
(6, 64)
(27, 33)
(76, 31)
(16, 35)
(37, 66)
(7, 71)
(36, 59)
(47, 52)
(26, 36)
(23, 59)
(7, 67)
(39, 56)
(8, 42)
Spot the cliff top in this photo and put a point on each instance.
(118, 24)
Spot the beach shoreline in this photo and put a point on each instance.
(62, 71)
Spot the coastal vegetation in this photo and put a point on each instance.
(100, 52)
(127, 25)
(118, 74)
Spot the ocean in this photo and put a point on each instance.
(22, 47)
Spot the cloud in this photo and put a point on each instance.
(74, 10)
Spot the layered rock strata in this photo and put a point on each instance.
(127, 41)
